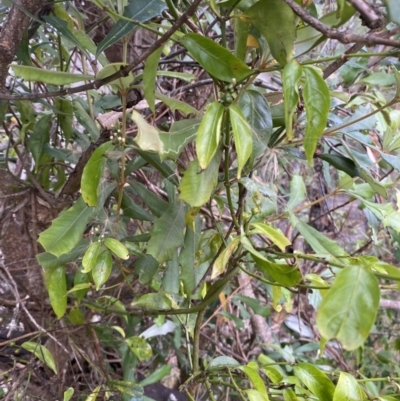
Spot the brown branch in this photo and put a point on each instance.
(368, 39)
(119, 74)
(369, 16)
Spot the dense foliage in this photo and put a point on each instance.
(209, 190)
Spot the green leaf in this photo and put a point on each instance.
(255, 305)
(197, 185)
(68, 394)
(42, 353)
(170, 281)
(347, 389)
(315, 380)
(242, 136)
(180, 134)
(90, 257)
(39, 137)
(342, 163)
(167, 233)
(290, 78)
(157, 301)
(275, 235)
(257, 112)
(156, 375)
(156, 204)
(34, 74)
(67, 229)
(209, 134)
(224, 257)
(255, 379)
(149, 77)
(65, 117)
(148, 137)
(92, 174)
(134, 211)
(102, 268)
(175, 104)
(85, 120)
(349, 309)
(277, 23)
(146, 267)
(317, 101)
(222, 362)
(117, 248)
(121, 83)
(57, 287)
(215, 59)
(297, 192)
(393, 7)
(138, 10)
(255, 395)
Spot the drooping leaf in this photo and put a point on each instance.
(290, 78)
(275, 235)
(315, 380)
(255, 379)
(257, 112)
(102, 268)
(148, 137)
(215, 59)
(242, 136)
(277, 23)
(138, 10)
(85, 120)
(92, 173)
(349, 309)
(167, 234)
(197, 186)
(156, 204)
(149, 77)
(39, 137)
(209, 134)
(317, 102)
(67, 229)
(117, 248)
(342, 163)
(57, 288)
(134, 211)
(347, 389)
(59, 78)
(42, 353)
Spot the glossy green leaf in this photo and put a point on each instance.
(39, 137)
(139, 347)
(342, 163)
(149, 77)
(59, 78)
(121, 83)
(92, 173)
(255, 379)
(102, 268)
(180, 134)
(289, 395)
(277, 23)
(224, 257)
(157, 301)
(317, 101)
(257, 112)
(84, 119)
(275, 235)
(215, 59)
(197, 185)
(175, 104)
(42, 353)
(297, 192)
(315, 380)
(290, 78)
(117, 248)
(209, 134)
(255, 395)
(273, 374)
(167, 234)
(155, 203)
(57, 288)
(90, 257)
(67, 229)
(242, 135)
(347, 389)
(148, 137)
(349, 309)
(134, 211)
(138, 10)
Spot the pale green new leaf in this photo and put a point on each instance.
(347, 389)
(167, 234)
(59, 78)
(242, 136)
(277, 23)
(290, 79)
(255, 379)
(117, 248)
(317, 101)
(42, 353)
(148, 137)
(275, 235)
(315, 380)
(90, 257)
(92, 174)
(57, 288)
(255, 395)
(196, 185)
(209, 134)
(149, 77)
(68, 394)
(349, 309)
(67, 229)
